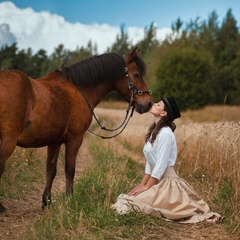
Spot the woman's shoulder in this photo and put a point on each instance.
(166, 130)
(165, 133)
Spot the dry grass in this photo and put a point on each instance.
(214, 114)
(209, 156)
(209, 153)
(113, 105)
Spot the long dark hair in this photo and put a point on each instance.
(155, 128)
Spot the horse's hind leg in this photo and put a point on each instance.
(7, 147)
(70, 162)
(51, 170)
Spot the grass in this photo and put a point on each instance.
(214, 114)
(208, 159)
(23, 171)
(87, 214)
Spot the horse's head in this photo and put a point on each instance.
(137, 93)
(125, 75)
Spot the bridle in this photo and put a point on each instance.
(134, 91)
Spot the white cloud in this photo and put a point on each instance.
(42, 30)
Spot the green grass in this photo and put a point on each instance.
(22, 173)
(87, 214)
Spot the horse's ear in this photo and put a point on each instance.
(131, 56)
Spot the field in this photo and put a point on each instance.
(208, 146)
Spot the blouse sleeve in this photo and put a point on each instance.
(147, 168)
(164, 144)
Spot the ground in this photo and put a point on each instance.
(19, 214)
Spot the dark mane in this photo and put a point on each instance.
(88, 72)
(95, 69)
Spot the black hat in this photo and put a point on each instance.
(171, 107)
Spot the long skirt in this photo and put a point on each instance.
(171, 198)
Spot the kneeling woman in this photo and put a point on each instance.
(162, 192)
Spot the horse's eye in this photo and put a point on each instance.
(136, 75)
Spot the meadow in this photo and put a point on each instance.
(209, 159)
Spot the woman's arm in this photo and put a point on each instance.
(145, 184)
(145, 179)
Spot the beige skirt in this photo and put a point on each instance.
(172, 198)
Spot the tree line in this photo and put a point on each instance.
(198, 63)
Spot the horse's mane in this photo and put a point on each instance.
(108, 66)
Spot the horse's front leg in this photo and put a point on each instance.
(70, 162)
(51, 170)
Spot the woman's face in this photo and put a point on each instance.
(158, 109)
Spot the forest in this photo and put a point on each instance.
(198, 62)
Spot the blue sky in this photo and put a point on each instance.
(139, 13)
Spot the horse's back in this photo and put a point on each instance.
(14, 82)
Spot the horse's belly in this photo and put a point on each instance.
(40, 136)
(33, 143)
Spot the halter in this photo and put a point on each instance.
(133, 91)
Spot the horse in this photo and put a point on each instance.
(58, 108)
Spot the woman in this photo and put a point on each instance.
(162, 192)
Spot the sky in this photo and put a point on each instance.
(44, 24)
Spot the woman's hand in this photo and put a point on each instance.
(138, 189)
(143, 186)
(134, 190)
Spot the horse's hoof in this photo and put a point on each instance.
(2, 208)
(46, 204)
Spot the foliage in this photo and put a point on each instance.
(187, 75)
(122, 43)
(203, 55)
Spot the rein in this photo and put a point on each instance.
(125, 121)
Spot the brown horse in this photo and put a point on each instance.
(57, 108)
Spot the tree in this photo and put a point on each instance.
(226, 53)
(122, 43)
(208, 34)
(177, 25)
(149, 41)
(7, 56)
(187, 75)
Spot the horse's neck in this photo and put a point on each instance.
(94, 95)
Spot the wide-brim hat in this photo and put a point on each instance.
(171, 107)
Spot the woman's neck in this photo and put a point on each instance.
(157, 119)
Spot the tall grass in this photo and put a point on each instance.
(214, 114)
(209, 156)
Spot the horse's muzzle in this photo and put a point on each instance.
(143, 108)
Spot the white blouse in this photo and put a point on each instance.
(162, 154)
